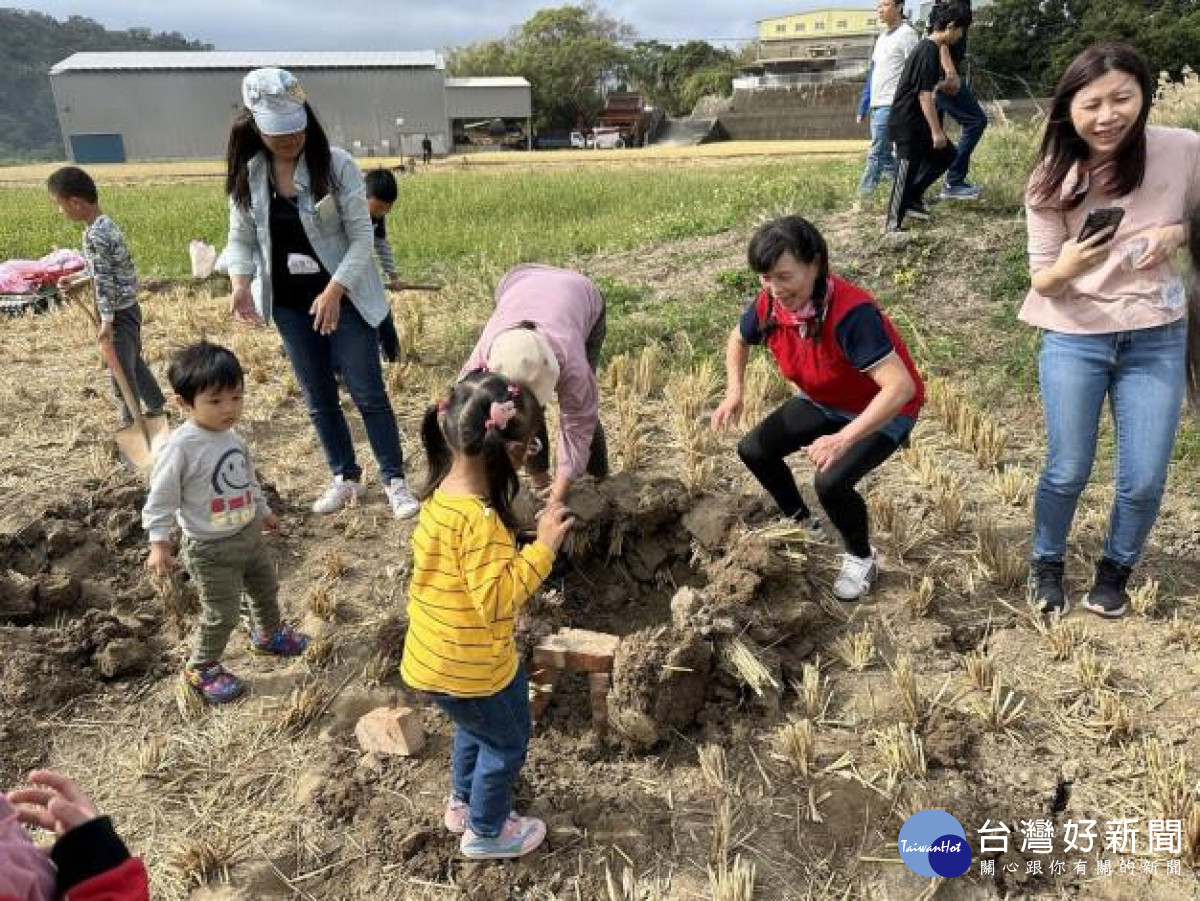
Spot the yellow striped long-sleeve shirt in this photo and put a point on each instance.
(468, 583)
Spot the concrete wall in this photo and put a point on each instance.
(808, 111)
(185, 114)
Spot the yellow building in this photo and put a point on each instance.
(819, 23)
(819, 45)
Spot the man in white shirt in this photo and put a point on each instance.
(892, 48)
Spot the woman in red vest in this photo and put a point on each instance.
(859, 391)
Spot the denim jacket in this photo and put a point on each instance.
(339, 228)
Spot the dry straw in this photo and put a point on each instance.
(714, 768)
(980, 669)
(856, 650)
(903, 753)
(732, 882)
(813, 691)
(743, 661)
(919, 598)
(688, 395)
(631, 887)
(1001, 710)
(907, 692)
(797, 745)
(1013, 485)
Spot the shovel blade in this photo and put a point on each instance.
(136, 451)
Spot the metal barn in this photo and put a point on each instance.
(160, 106)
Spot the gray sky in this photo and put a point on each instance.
(405, 24)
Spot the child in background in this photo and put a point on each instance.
(469, 582)
(88, 861)
(923, 151)
(381, 195)
(204, 479)
(115, 277)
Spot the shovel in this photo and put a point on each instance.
(138, 443)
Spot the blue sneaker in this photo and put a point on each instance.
(284, 642)
(519, 836)
(961, 192)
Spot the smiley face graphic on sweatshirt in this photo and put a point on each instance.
(232, 495)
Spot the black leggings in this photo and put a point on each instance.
(796, 424)
(916, 169)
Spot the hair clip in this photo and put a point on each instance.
(514, 390)
(500, 415)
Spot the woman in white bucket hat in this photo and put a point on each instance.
(301, 255)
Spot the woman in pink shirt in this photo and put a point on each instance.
(1111, 307)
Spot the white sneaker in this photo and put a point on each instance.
(404, 505)
(341, 491)
(857, 576)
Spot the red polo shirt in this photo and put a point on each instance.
(833, 369)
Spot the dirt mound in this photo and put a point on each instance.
(678, 578)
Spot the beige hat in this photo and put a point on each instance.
(524, 356)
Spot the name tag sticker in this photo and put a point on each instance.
(302, 264)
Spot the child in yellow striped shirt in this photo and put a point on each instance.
(468, 583)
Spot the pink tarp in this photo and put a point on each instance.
(28, 276)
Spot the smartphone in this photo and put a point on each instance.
(1101, 219)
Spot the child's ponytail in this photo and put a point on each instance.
(437, 451)
(484, 415)
(503, 481)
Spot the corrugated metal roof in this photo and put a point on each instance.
(497, 82)
(91, 62)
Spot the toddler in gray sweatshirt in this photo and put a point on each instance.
(203, 480)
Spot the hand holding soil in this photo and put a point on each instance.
(55, 804)
(554, 522)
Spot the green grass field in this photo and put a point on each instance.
(483, 221)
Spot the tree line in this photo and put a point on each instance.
(32, 44)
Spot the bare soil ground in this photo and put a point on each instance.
(756, 720)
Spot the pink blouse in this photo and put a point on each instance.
(1114, 297)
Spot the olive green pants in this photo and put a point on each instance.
(221, 570)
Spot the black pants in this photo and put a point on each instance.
(917, 167)
(127, 341)
(796, 424)
(389, 341)
(597, 465)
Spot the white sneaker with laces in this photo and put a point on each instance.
(341, 491)
(404, 505)
(857, 576)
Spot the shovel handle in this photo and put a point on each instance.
(413, 286)
(131, 402)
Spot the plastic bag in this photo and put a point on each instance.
(204, 258)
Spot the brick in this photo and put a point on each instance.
(390, 732)
(577, 649)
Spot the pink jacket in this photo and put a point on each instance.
(25, 870)
(564, 306)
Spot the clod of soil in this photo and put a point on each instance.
(660, 679)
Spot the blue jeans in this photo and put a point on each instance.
(491, 736)
(880, 161)
(353, 350)
(1142, 374)
(964, 109)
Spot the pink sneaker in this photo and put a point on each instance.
(519, 836)
(457, 813)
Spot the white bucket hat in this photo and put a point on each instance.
(275, 100)
(522, 355)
